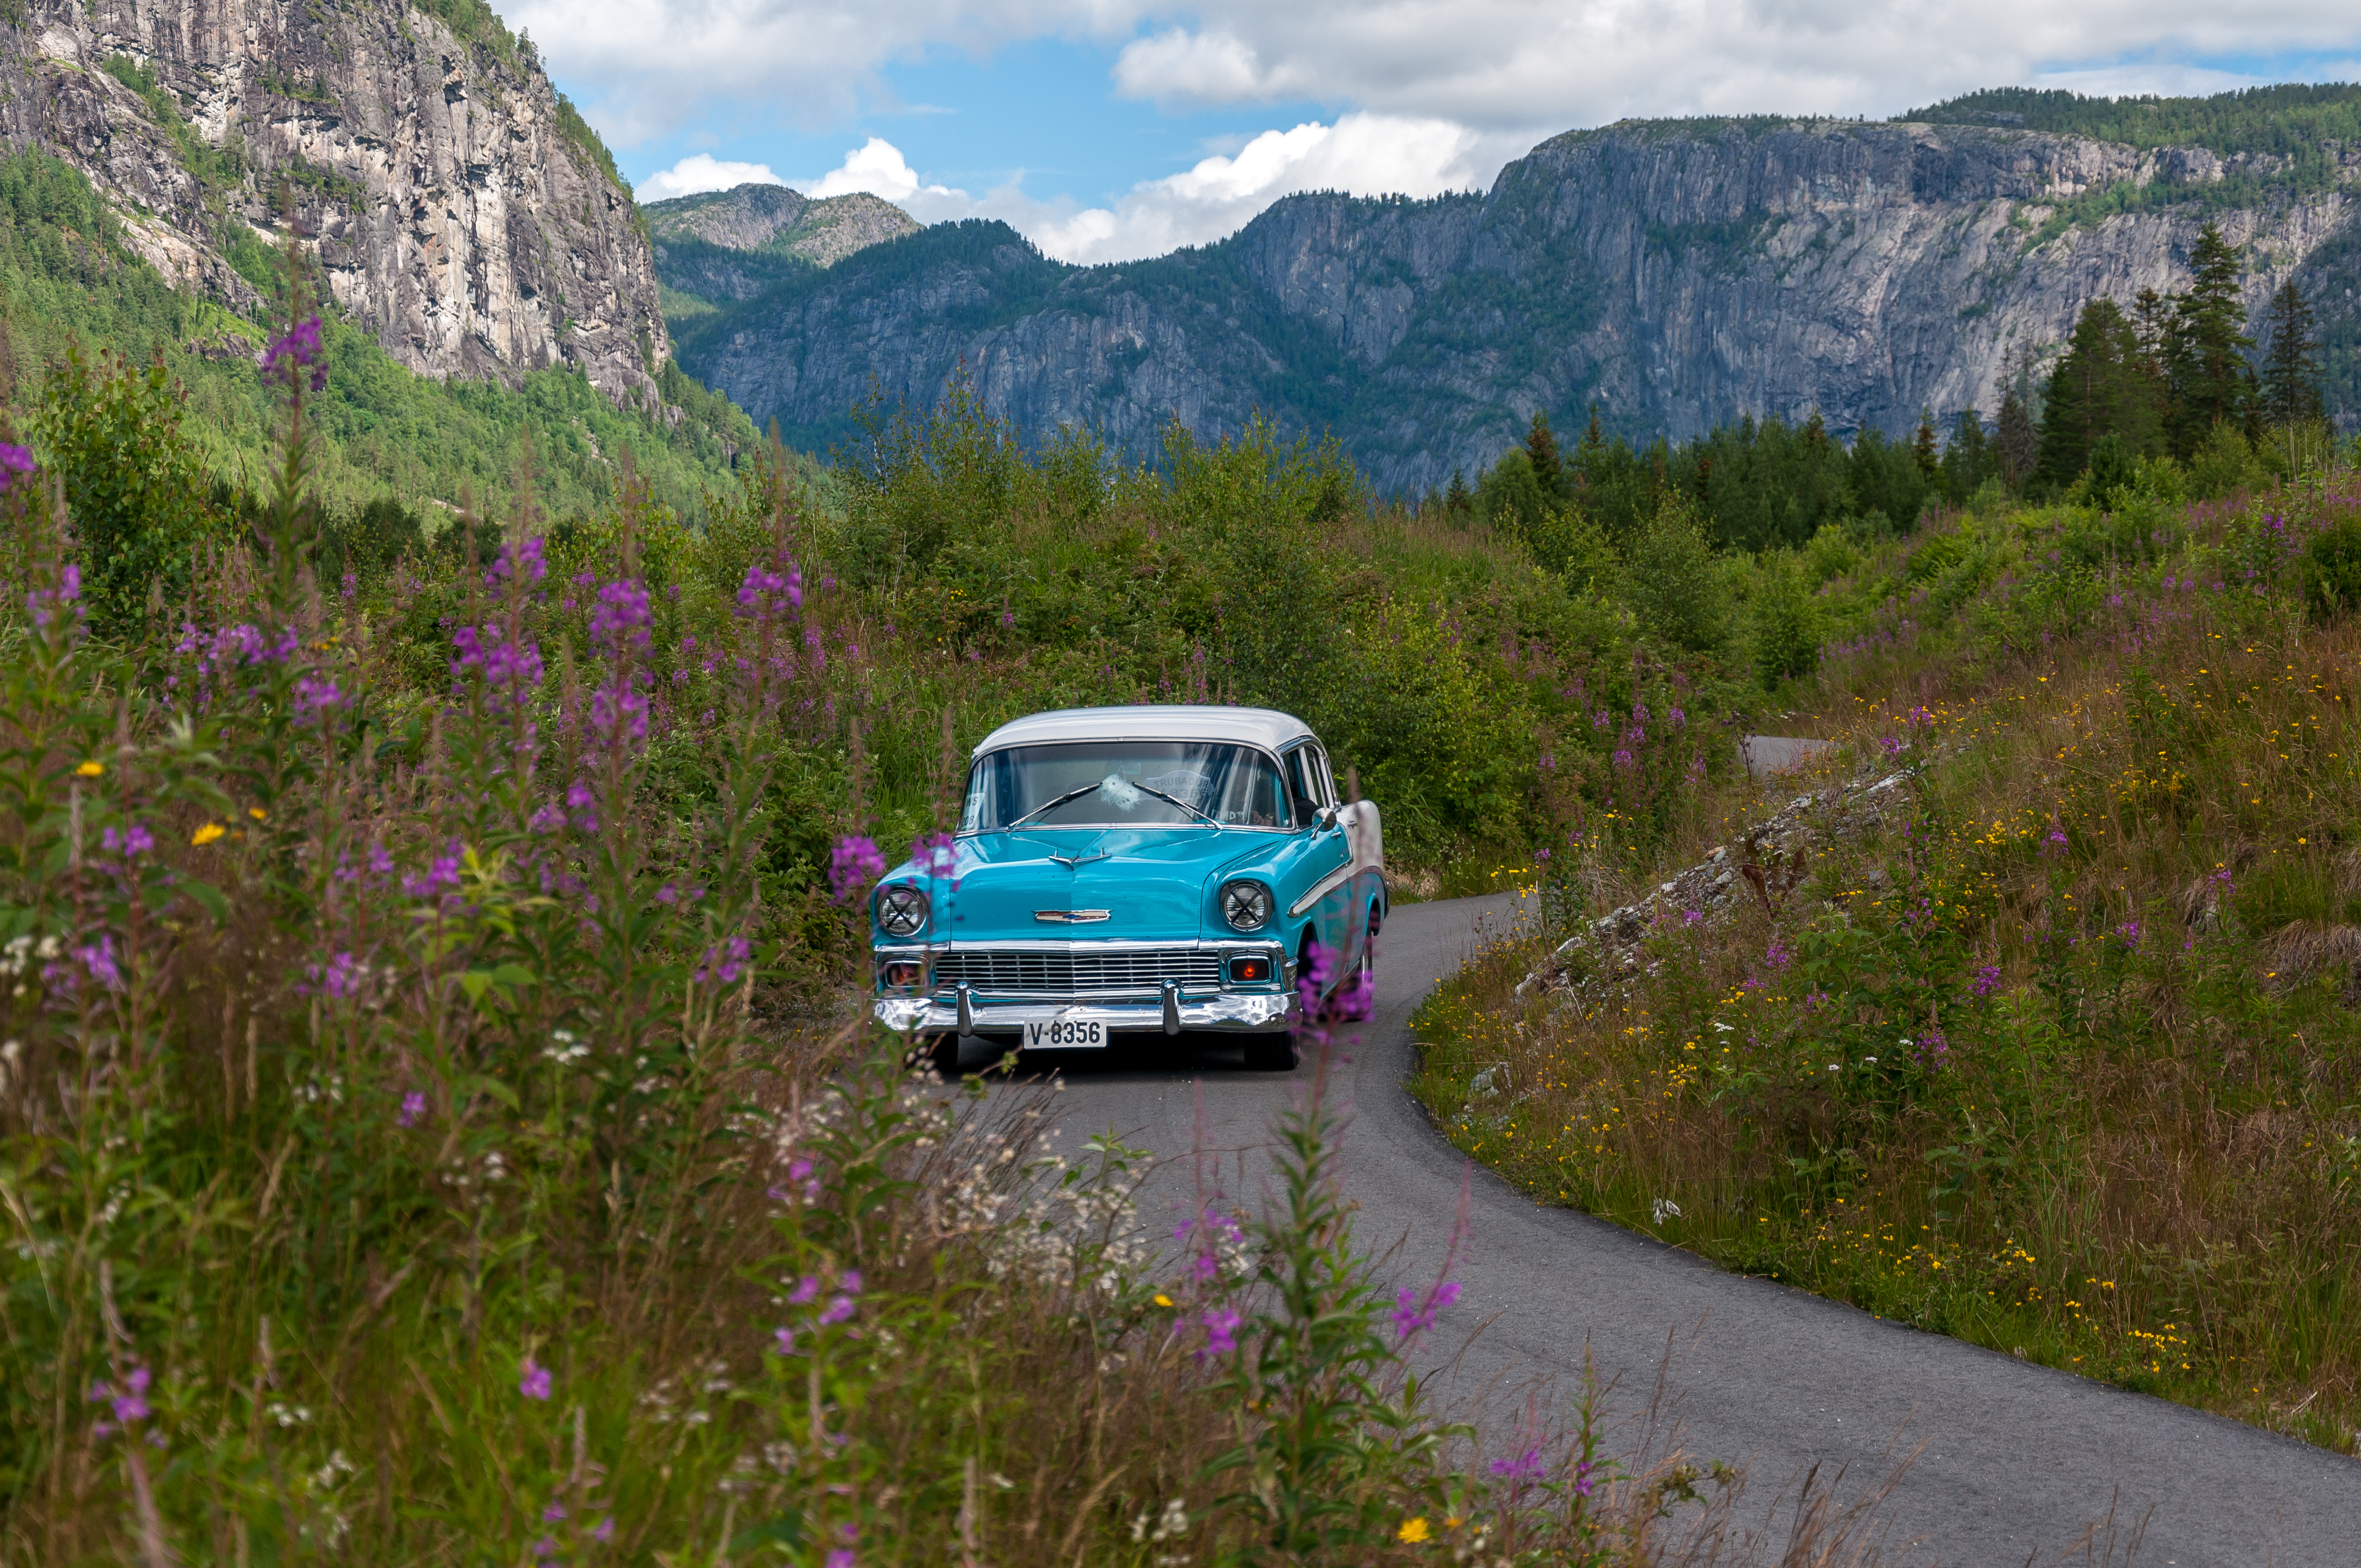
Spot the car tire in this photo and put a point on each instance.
(1273, 1053)
(1365, 984)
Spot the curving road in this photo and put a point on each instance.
(2018, 1461)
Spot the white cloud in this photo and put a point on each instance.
(702, 172)
(1366, 155)
(878, 167)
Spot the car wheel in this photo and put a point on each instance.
(1272, 1053)
(1356, 999)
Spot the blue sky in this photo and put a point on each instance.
(1107, 129)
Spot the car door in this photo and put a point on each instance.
(1327, 850)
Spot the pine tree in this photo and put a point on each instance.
(2290, 390)
(2018, 442)
(2101, 389)
(1968, 457)
(1542, 447)
(2205, 355)
(1930, 461)
(1456, 499)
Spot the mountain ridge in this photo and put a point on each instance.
(1677, 273)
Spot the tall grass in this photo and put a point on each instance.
(2055, 1046)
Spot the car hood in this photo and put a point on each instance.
(1153, 883)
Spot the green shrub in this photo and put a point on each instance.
(1787, 627)
(1672, 581)
(138, 497)
(2332, 569)
(2224, 464)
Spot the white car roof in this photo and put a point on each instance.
(1151, 721)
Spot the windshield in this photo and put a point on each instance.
(1124, 784)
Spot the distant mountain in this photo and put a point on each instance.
(1677, 273)
(728, 246)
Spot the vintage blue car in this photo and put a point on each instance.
(1134, 871)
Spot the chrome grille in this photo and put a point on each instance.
(1006, 971)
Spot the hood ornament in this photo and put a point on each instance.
(1072, 916)
(1070, 862)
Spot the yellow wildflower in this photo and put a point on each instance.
(91, 769)
(1162, 1299)
(206, 834)
(1413, 1530)
(257, 813)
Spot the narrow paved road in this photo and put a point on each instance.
(2019, 1459)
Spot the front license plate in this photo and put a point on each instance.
(1061, 1032)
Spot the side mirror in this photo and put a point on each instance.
(1325, 817)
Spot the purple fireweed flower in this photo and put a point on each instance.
(806, 1290)
(545, 1547)
(98, 960)
(510, 668)
(314, 695)
(380, 861)
(618, 711)
(851, 1283)
(534, 1383)
(2130, 932)
(605, 1530)
(840, 1557)
(1601, 719)
(129, 1403)
(724, 964)
(1623, 759)
(131, 843)
(1892, 745)
(1415, 1314)
(622, 617)
(1221, 1331)
(934, 854)
(1524, 1468)
(16, 463)
(552, 1514)
(1987, 980)
(548, 820)
(522, 559)
(852, 865)
(300, 350)
(1778, 956)
(1583, 1480)
(412, 1111)
(1692, 917)
(769, 595)
(339, 978)
(837, 1312)
(45, 604)
(2055, 844)
(784, 1338)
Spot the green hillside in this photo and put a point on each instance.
(67, 280)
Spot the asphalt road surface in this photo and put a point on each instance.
(2017, 1463)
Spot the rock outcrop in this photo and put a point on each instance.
(1678, 274)
(457, 205)
(775, 219)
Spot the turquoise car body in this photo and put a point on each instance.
(1048, 936)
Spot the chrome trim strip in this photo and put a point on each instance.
(1264, 1012)
(1323, 887)
(1072, 916)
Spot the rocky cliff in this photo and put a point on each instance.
(736, 243)
(1678, 274)
(456, 204)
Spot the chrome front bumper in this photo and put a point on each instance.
(1229, 1012)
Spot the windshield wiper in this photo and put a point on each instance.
(1054, 805)
(1088, 788)
(1151, 789)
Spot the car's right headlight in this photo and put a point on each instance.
(901, 909)
(1245, 905)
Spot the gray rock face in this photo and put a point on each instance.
(454, 207)
(1678, 273)
(774, 218)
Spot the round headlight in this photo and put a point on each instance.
(1245, 905)
(901, 909)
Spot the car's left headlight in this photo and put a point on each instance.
(1245, 905)
(901, 909)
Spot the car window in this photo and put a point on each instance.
(1302, 783)
(1129, 783)
(1323, 776)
